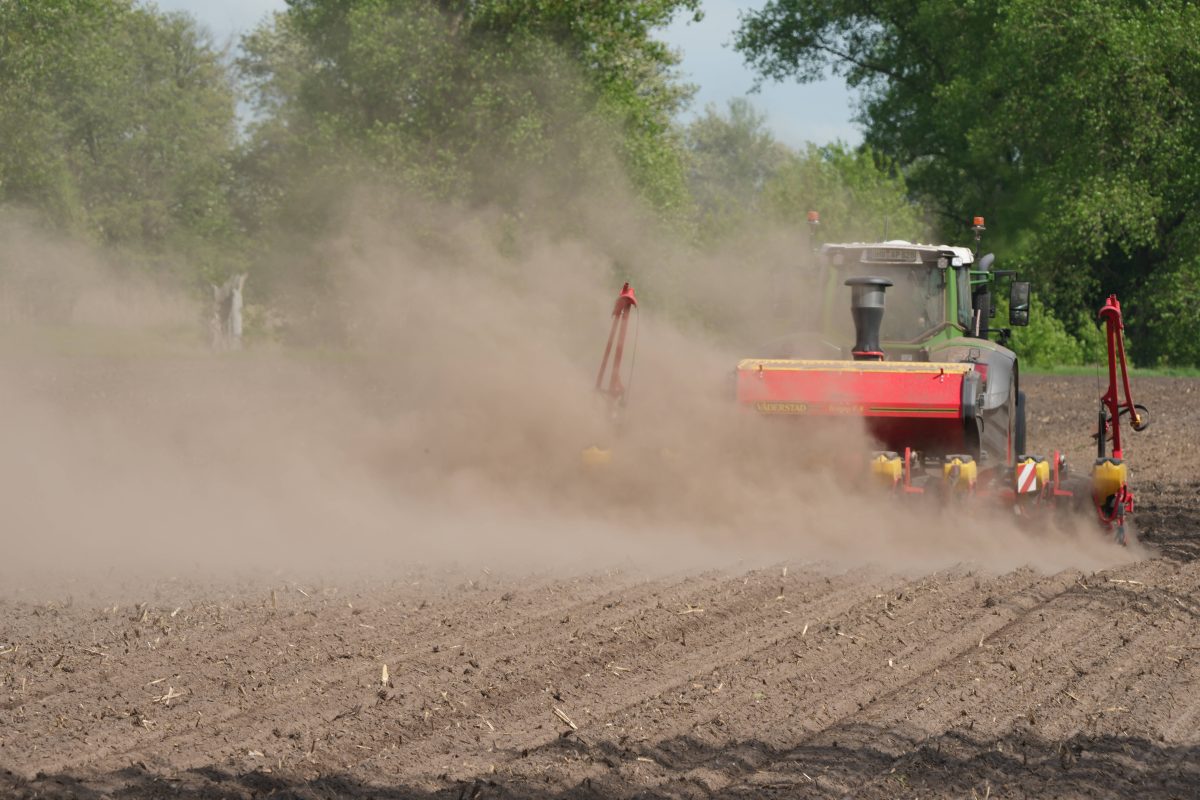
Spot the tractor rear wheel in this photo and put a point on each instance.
(1019, 427)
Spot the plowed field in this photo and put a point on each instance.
(788, 680)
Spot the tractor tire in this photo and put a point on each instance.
(1019, 427)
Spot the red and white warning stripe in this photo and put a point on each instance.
(1027, 481)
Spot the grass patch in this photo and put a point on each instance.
(1102, 371)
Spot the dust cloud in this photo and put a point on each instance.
(444, 424)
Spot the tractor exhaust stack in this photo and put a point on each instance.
(866, 307)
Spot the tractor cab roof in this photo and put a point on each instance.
(898, 251)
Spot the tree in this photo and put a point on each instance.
(1071, 128)
(731, 160)
(472, 101)
(117, 121)
(741, 177)
(860, 195)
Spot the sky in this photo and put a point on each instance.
(796, 113)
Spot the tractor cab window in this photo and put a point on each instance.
(916, 303)
(963, 277)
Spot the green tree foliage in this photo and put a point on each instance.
(486, 102)
(741, 177)
(1072, 127)
(116, 121)
(1046, 342)
(859, 195)
(731, 159)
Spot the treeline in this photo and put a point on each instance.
(120, 124)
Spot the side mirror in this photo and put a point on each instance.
(1018, 304)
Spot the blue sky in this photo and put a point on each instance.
(818, 112)
(815, 112)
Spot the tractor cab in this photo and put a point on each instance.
(928, 296)
(936, 294)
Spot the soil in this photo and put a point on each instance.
(771, 682)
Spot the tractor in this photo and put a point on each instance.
(933, 383)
